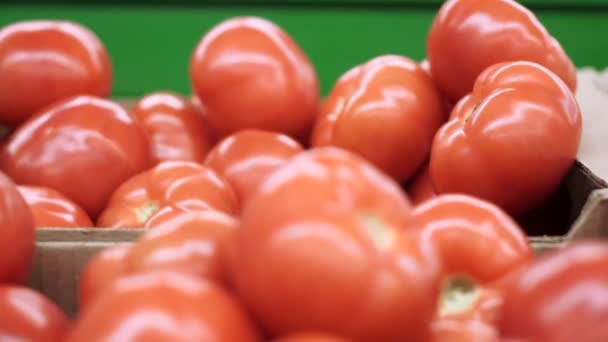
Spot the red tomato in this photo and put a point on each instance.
(44, 61)
(17, 234)
(247, 157)
(192, 242)
(52, 209)
(26, 315)
(387, 110)
(176, 128)
(478, 244)
(250, 74)
(311, 337)
(467, 36)
(559, 298)
(511, 141)
(102, 270)
(323, 246)
(163, 306)
(171, 183)
(421, 189)
(83, 147)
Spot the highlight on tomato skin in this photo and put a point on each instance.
(277, 86)
(246, 158)
(387, 110)
(163, 306)
(27, 315)
(176, 127)
(560, 297)
(511, 141)
(45, 61)
(71, 141)
(51, 209)
(467, 36)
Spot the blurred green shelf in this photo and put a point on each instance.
(151, 45)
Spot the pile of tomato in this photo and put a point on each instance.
(386, 211)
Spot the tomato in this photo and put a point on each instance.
(163, 306)
(43, 61)
(387, 110)
(193, 242)
(26, 315)
(511, 141)
(478, 245)
(247, 157)
(171, 183)
(17, 234)
(559, 298)
(311, 337)
(420, 189)
(467, 36)
(249, 73)
(52, 209)
(176, 128)
(83, 147)
(323, 246)
(477, 323)
(102, 270)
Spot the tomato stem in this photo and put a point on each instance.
(146, 211)
(459, 293)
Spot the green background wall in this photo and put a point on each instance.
(150, 43)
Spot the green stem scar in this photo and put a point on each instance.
(382, 236)
(458, 293)
(146, 211)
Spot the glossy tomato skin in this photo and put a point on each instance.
(247, 157)
(83, 147)
(473, 237)
(43, 61)
(171, 183)
(332, 230)
(17, 234)
(249, 73)
(52, 209)
(560, 297)
(26, 315)
(177, 130)
(176, 307)
(511, 141)
(101, 271)
(387, 110)
(193, 242)
(467, 36)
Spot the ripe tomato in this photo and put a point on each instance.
(332, 232)
(559, 298)
(176, 128)
(102, 270)
(192, 242)
(467, 36)
(52, 209)
(83, 147)
(247, 157)
(249, 73)
(311, 337)
(177, 183)
(420, 189)
(17, 234)
(44, 61)
(162, 306)
(511, 141)
(387, 110)
(26, 315)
